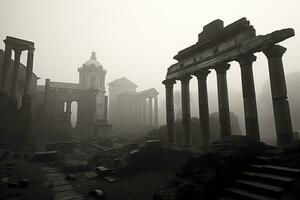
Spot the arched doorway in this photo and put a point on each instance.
(74, 108)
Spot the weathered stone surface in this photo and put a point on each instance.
(204, 174)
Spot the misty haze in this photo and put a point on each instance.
(149, 100)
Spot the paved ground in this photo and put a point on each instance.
(137, 186)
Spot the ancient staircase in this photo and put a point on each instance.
(263, 180)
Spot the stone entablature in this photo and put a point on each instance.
(233, 40)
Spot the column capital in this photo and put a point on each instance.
(221, 67)
(202, 74)
(17, 51)
(169, 82)
(245, 59)
(185, 79)
(274, 51)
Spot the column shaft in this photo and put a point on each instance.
(250, 108)
(203, 107)
(29, 70)
(7, 58)
(281, 108)
(155, 112)
(15, 72)
(224, 113)
(150, 112)
(186, 111)
(170, 111)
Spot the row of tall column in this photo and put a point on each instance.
(147, 112)
(279, 96)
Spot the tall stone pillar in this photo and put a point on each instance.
(46, 94)
(155, 112)
(13, 101)
(7, 58)
(250, 108)
(281, 107)
(15, 72)
(143, 111)
(29, 70)
(106, 108)
(186, 111)
(26, 98)
(150, 110)
(170, 111)
(68, 108)
(203, 107)
(224, 113)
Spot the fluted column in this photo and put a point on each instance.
(150, 110)
(170, 111)
(224, 113)
(186, 110)
(155, 112)
(7, 58)
(15, 72)
(250, 108)
(281, 107)
(203, 107)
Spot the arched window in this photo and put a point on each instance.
(74, 108)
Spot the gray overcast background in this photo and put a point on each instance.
(138, 38)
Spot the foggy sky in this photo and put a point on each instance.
(138, 38)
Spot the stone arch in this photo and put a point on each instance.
(74, 113)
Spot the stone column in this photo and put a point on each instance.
(29, 70)
(143, 111)
(281, 108)
(46, 94)
(7, 58)
(250, 108)
(15, 72)
(26, 99)
(13, 101)
(150, 109)
(106, 108)
(155, 112)
(68, 108)
(203, 107)
(170, 111)
(224, 114)
(186, 111)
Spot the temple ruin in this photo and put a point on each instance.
(16, 91)
(131, 111)
(216, 47)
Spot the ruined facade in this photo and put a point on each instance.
(131, 111)
(56, 99)
(216, 47)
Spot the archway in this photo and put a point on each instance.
(74, 108)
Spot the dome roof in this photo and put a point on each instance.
(93, 62)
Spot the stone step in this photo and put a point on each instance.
(259, 188)
(282, 181)
(266, 159)
(277, 170)
(241, 194)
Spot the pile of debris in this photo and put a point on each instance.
(207, 172)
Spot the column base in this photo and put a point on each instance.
(285, 140)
